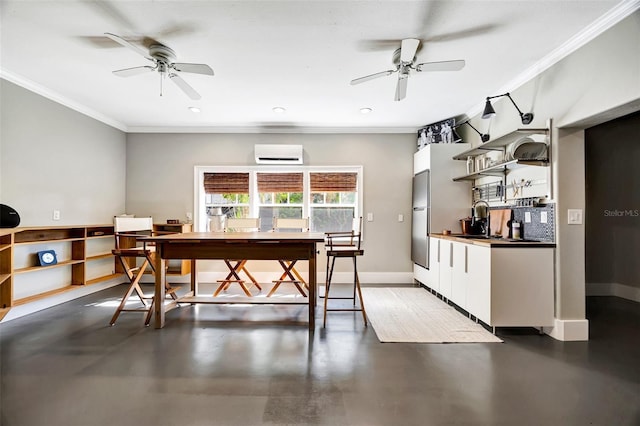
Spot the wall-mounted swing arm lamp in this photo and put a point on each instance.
(488, 112)
(484, 137)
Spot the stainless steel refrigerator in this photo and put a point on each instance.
(420, 220)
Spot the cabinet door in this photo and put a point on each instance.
(479, 282)
(446, 268)
(434, 264)
(460, 274)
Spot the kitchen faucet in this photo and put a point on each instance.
(485, 215)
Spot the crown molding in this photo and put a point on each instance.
(275, 129)
(619, 12)
(56, 97)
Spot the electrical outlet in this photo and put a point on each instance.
(543, 217)
(400, 218)
(527, 217)
(56, 215)
(189, 216)
(369, 217)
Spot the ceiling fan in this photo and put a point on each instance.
(163, 59)
(404, 59)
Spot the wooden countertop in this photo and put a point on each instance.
(494, 242)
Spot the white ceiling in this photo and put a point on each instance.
(300, 55)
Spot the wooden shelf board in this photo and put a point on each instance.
(93, 237)
(100, 256)
(4, 277)
(42, 268)
(100, 279)
(62, 240)
(3, 312)
(45, 294)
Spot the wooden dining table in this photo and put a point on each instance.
(232, 245)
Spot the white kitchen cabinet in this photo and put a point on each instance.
(522, 290)
(479, 282)
(459, 273)
(501, 285)
(446, 268)
(434, 264)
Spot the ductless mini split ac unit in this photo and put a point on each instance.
(278, 154)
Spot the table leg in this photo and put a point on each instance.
(312, 288)
(194, 278)
(159, 295)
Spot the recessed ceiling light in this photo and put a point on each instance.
(278, 110)
(194, 109)
(365, 110)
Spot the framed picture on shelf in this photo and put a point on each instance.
(440, 132)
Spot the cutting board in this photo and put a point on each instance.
(499, 222)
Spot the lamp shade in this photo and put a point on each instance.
(488, 110)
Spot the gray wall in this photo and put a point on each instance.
(52, 157)
(613, 202)
(160, 169)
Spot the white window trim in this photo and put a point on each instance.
(200, 218)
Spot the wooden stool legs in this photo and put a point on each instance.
(134, 275)
(356, 288)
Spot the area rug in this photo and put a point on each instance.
(413, 315)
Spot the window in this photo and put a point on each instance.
(333, 201)
(228, 193)
(280, 195)
(330, 196)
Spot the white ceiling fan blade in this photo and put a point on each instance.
(193, 68)
(401, 87)
(408, 49)
(371, 77)
(133, 47)
(188, 90)
(128, 72)
(441, 66)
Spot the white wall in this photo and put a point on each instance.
(596, 83)
(160, 171)
(52, 157)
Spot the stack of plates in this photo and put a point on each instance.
(526, 149)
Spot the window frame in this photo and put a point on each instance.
(200, 217)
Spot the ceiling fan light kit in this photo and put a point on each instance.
(489, 112)
(163, 58)
(404, 60)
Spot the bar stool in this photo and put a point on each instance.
(344, 245)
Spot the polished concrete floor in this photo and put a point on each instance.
(209, 366)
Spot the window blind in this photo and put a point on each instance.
(280, 182)
(333, 182)
(226, 183)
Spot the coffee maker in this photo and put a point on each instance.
(480, 218)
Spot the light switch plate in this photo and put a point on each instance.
(574, 216)
(543, 217)
(369, 217)
(400, 218)
(527, 217)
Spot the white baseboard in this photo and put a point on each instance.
(338, 277)
(614, 289)
(569, 330)
(48, 302)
